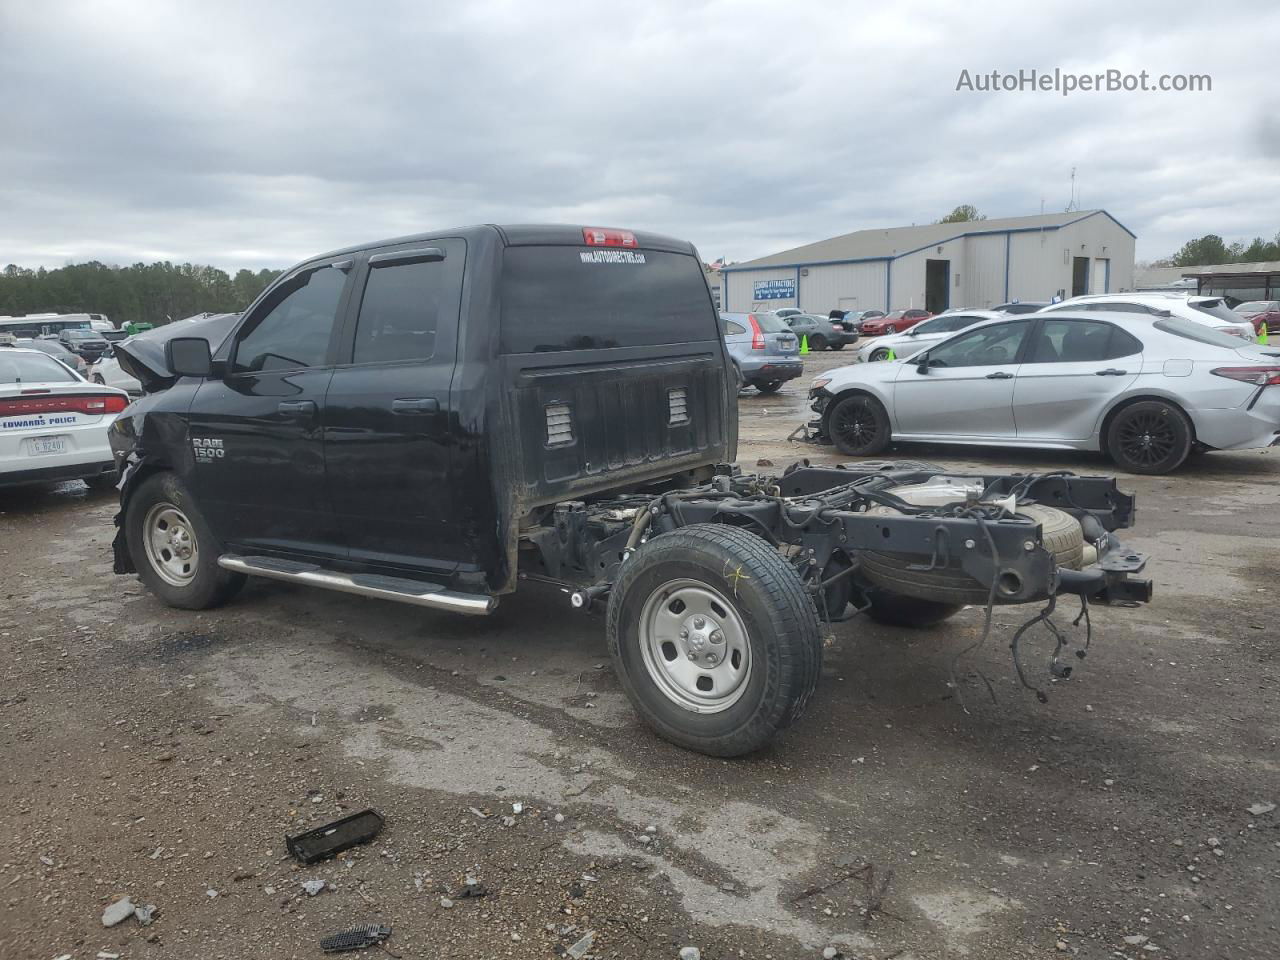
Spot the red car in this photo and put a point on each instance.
(894, 322)
(1259, 312)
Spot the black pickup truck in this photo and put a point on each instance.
(436, 418)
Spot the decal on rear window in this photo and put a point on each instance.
(611, 256)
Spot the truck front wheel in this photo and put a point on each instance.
(714, 639)
(172, 547)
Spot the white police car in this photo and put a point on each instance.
(53, 422)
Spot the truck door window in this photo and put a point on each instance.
(294, 332)
(400, 311)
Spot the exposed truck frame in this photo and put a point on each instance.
(821, 511)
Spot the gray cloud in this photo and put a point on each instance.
(255, 134)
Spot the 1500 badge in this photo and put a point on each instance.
(207, 448)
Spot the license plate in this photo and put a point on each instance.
(40, 446)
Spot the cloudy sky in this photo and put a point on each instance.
(254, 134)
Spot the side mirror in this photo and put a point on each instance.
(188, 357)
(922, 365)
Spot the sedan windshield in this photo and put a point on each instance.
(18, 367)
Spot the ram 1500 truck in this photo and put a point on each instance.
(434, 419)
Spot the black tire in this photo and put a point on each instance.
(878, 354)
(1063, 539)
(97, 378)
(896, 610)
(208, 584)
(1149, 437)
(837, 346)
(817, 343)
(738, 380)
(890, 330)
(858, 425)
(769, 386)
(778, 630)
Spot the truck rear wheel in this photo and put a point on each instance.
(714, 639)
(173, 549)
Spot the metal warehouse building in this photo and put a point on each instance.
(976, 264)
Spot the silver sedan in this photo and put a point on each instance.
(1145, 389)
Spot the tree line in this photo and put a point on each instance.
(1211, 249)
(144, 293)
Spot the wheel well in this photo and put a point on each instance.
(143, 472)
(1130, 401)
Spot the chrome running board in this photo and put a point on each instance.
(415, 592)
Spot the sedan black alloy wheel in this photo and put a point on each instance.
(858, 427)
(1147, 437)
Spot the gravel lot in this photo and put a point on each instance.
(163, 755)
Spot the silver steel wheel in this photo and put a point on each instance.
(170, 542)
(694, 645)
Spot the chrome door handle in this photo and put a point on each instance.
(297, 408)
(1000, 376)
(415, 405)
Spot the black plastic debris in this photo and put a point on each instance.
(333, 838)
(357, 938)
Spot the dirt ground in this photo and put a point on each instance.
(164, 755)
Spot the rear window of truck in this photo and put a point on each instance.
(590, 298)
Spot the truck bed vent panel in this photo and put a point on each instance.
(677, 406)
(559, 425)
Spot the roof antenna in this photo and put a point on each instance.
(1073, 204)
